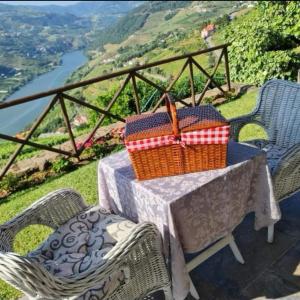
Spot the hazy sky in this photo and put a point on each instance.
(39, 2)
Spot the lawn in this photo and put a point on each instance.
(84, 180)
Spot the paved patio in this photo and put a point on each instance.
(271, 271)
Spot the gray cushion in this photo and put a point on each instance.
(82, 243)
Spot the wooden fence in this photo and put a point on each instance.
(60, 96)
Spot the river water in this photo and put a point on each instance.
(15, 119)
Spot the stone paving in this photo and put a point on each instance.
(271, 271)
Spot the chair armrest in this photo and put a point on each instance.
(236, 124)
(52, 210)
(258, 143)
(31, 277)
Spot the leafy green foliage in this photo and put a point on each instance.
(61, 165)
(9, 182)
(264, 42)
(222, 20)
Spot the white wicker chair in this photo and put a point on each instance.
(131, 268)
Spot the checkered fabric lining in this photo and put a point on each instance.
(217, 135)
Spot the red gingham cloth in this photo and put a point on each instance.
(217, 135)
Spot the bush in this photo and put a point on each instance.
(9, 182)
(62, 165)
(101, 150)
(264, 43)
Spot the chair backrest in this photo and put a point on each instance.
(278, 109)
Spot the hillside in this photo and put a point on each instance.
(164, 29)
(33, 38)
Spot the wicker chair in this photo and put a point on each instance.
(91, 254)
(278, 112)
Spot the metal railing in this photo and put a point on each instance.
(60, 96)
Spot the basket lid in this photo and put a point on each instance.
(147, 125)
(199, 117)
(159, 124)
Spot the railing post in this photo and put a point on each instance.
(191, 75)
(210, 80)
(135, 93)
(227, 68)
(298, 80)
(68, 124)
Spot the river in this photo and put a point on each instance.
(15, 119)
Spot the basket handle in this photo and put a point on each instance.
(171, 108)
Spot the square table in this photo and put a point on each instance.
(194, 210)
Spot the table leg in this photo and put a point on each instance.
(235, 250)
(270, 233)
(195, 262)
(227, 240)
(193, 290)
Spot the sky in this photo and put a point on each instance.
(64, 3)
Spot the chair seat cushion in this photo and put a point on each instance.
(83, 242)
(273, 152)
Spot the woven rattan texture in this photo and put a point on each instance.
(174, 160)
(278, 112)
(199, 117)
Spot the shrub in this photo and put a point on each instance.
(62, 165)
(264, 43)
(9, 182)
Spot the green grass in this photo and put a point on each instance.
(84, 180)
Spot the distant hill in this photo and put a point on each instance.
(153, 31)
(29, 34)
(104, 13)
(134, 20)
(88, 8)
(32, 38)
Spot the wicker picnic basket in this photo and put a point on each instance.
(177, 141)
